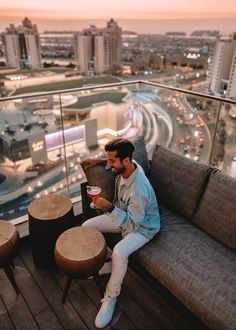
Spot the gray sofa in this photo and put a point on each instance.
(193, 255)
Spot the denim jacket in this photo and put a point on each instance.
(136, 208)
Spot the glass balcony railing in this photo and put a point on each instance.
(44, 137)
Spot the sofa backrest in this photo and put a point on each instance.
(216, 213)
(104, 178)
(179, 182)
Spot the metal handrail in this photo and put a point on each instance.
(125, 83)
(181, 90)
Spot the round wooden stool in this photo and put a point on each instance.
(9, 244)
(80, 252)
(49, 216)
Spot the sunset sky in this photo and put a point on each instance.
(139, 9)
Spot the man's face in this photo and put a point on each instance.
(117, 166)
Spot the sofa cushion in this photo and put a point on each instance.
(179, 182)
(104, 178)
(197, 269)
(216, 213)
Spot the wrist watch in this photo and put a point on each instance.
(111, 208)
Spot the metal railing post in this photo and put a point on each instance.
(215, 131)
(64, 145)
(139, 108)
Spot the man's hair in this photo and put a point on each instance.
(124, 148)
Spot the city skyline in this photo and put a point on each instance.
(122, 9)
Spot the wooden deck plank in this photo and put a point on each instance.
(142, 304)
(131, 312)
(135, 312)
(37, 303)
(152, 303)
(80, 301)
(66, 313)
(17, 308)
(161, 304)
(5, 321)
(120, 321)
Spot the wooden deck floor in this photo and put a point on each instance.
(39, 304)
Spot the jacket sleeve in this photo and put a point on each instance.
(133, 217)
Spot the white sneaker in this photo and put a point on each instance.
(106, 268)
(105, 313)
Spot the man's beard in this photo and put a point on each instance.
(119, 171)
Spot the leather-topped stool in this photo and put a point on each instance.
(80, 252)
(9, 245)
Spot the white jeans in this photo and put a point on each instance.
(121, 251)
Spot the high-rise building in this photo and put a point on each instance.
(231, 92)
(84, 49)
(223, 67)
(22, 47)
(114, 33)
(103, 54)
(99, 50)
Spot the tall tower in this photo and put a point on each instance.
(115, 33)
(84, 49)
(83, 52)
(22, 46)
(102, 54)
(231, 91)
(222, 76)
(99, 50)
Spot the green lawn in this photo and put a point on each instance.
(67, 85)
(87, 101)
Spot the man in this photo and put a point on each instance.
(134, 213)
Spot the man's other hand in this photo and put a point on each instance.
(102, 204)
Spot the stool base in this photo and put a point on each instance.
(68, 282)
(8, 271)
